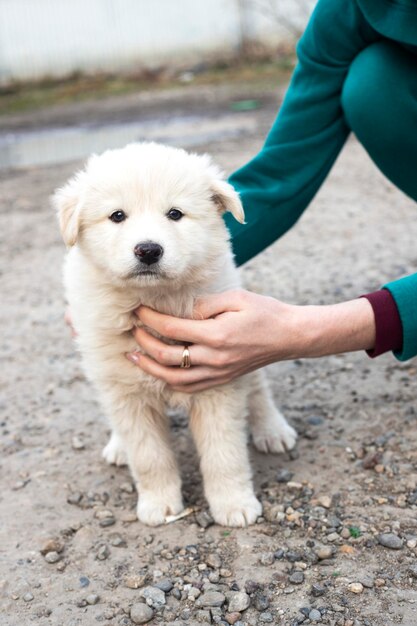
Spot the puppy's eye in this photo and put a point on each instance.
(118, 216)
(175, 214)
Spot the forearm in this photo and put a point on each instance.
(332, 329)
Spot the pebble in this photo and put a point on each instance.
(315, 420)
(141, 613)
(127, 487)
(296, 578)
(165, 585)
(284, 476)
(314, 615)
(232, 618)
(213, 560)
(194, 593)
(135, 581)
(78, 443)
(204, 519)
(267, 558)
(52, 545)
(28, 597)
(317, 590)
(238, 602)
(92, 598)
(355, 587)
(261, 602)
(391, 541)
(325, 501)
(103, 553)
(413, 570)
(325, 552)
(84, 581)
(203, 617)
(52, 557)
(212, 598)
(266, 617)
(153, 596)
(367, 581)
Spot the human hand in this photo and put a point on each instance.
(238, 331)
(231, 334)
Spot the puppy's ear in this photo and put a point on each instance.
(66, 201)
(227, 199)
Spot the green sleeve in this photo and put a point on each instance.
(308, 134)
(404, 292)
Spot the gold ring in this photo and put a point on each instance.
(186, 358)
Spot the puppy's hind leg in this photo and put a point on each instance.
(145, 436)
(269, 428)
(115, 451)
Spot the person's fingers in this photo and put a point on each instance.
(212, 305)
(184, 330)
(173, 376)
(170, 355)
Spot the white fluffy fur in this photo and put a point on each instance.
(102, 288)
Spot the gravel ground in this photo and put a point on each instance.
(338, 540)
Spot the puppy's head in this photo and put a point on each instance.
(148, 213)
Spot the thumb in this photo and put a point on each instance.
(216, 304)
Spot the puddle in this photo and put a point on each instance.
(60, 145)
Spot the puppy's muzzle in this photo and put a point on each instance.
(148, 252)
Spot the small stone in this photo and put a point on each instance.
(391, 541)
(325, 501)
(154, 596)
(267, 558)
(52, 545)
(135, 581)
(296, 578)
(379, 582)
(78, 443)
(413, 570)
(84, 581)
(261, 602)
(367, 581)
(355, 587)
(92, 598)
(204, 519)
(212, 598)
(251, 586)
(214, 577)
(317, 590)
(117, 541)
(103, 514)
(75, 497)
(194, 593)
(315, 420)
(127, 487)
(266, 617)
(225, 573)
(28, 597)
(284, 476)
(108, 521)
(232, 618)
(165, 584)
(213, 560)
(52, 557)
(203, 617)
(325, 552)
(103, 553)
(141, 613)
(238, 602)
(314, 615)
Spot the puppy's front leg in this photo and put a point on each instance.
(219, 429)
(145, 436)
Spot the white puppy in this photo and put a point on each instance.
(144, 226)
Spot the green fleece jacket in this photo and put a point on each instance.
(280, 181)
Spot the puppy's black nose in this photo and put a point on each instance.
(148, 252)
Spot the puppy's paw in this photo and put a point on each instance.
(276, 436)
(114, 452)
(153, 510)
(235, 510)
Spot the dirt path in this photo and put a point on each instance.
(353, 476)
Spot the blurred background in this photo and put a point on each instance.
(56, 55)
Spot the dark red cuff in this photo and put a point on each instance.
(389, 329)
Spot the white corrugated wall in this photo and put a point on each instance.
(40, 38)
